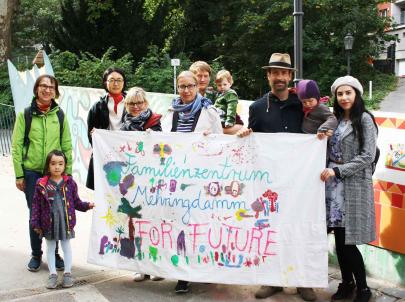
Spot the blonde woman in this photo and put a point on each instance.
(138, 115)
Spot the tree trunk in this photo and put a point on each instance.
(7, 9)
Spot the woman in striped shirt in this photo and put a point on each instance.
(191, 112)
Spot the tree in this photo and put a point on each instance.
(7, 9)
(248, 31)
(94, 26)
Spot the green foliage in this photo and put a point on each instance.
(155, 72)
(34, 23)
(5, 89)
(238, 35)
(93, 26)
(382, 85)
(87, 70)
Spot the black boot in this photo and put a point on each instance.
(363, 295)
(345, 291)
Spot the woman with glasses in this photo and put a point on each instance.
(108, 112)
(191, 112)
(138, 116)
(39, 129)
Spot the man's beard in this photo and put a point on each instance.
(280, 88)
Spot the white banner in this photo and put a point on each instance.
(217, 209)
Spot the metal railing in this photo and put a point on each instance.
(7, 119)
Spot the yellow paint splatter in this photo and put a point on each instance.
(109, 218)
(289, 269)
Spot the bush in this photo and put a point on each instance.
(87, 70)
(5, 89)
(155, 73)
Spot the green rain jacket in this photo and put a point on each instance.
(44, 137)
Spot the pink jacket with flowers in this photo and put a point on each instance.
(41, 217)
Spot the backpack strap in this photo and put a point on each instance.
(61, 118)
(374, 163)
(28, 120)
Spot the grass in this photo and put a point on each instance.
(382, 85)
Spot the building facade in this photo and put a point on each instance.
(395, 51)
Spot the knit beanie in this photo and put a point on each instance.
(307, 89)
(346, 80)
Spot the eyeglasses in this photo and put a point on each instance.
(45, 87)
(139, 104)
(118, 81)
(184, 87)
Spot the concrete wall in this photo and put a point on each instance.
(380, 263)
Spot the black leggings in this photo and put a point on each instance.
(350, 260)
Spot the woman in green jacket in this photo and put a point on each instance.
(29, 155)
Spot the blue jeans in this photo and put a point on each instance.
(30, 178)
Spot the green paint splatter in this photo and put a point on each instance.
(153, 251)
(113, 172)
(140, 146)
(212, 258)
(187, 260)
(175, 260)
(199, 259)
(138, 247)
(222, 258)
(113, 177)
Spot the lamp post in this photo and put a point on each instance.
(348, 41)
(298, 20)
(174, 63)
(391, 56)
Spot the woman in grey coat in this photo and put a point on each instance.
(349, 187)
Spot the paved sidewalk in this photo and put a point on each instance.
(94, 283)
(395, 100)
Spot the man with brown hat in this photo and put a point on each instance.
(279, 110)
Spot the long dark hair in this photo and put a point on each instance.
(356, 112)
(48, 160)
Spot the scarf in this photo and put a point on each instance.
(43, 107)
(308, 110)
(136, 123)
(117, 99)
(187, 111)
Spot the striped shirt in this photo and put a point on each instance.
(185, 125)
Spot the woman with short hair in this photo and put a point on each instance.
(191, 112)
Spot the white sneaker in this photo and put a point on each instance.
(156, 278)
(139, 277)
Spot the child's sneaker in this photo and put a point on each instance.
(52, 281)
(35, 264)
(67, 280)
